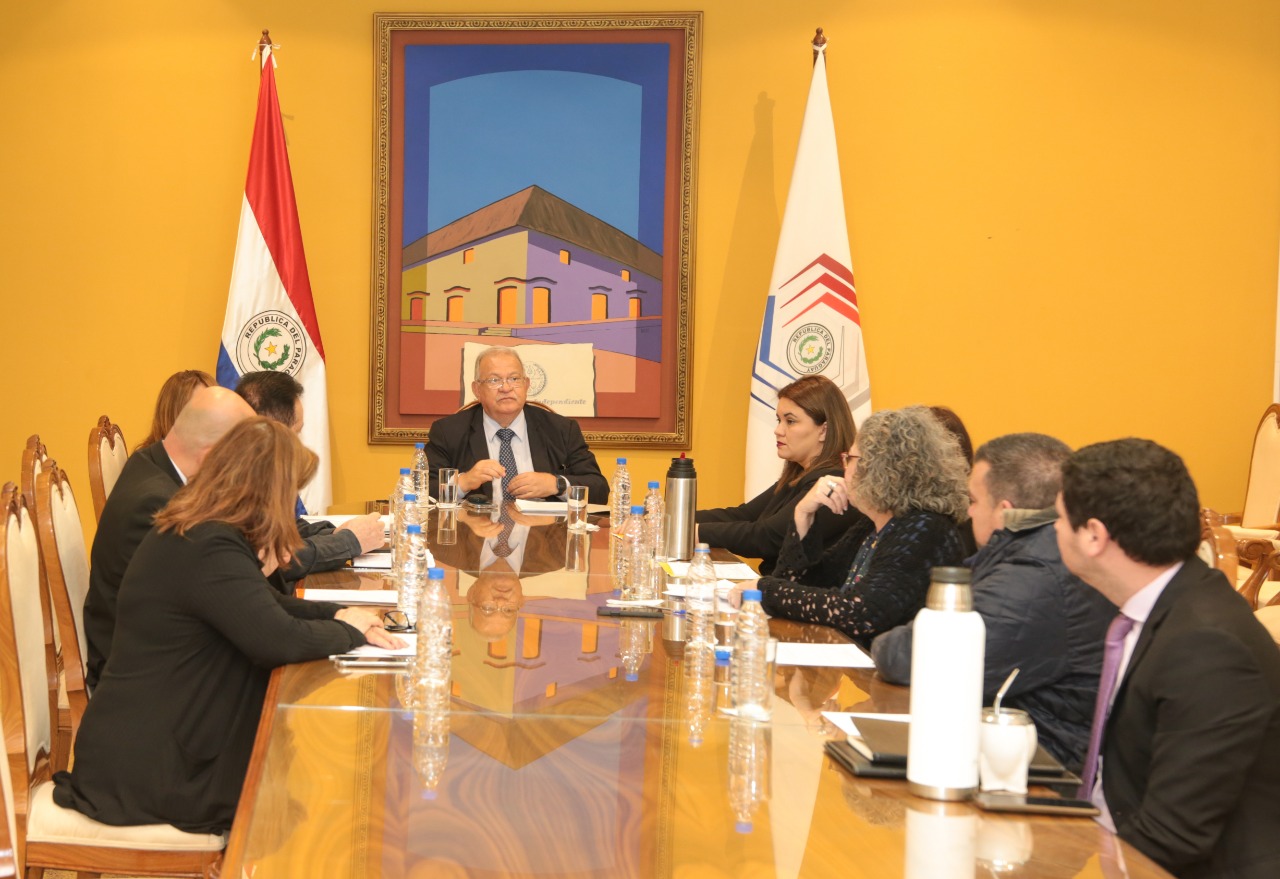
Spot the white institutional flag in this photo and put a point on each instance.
(811, 319)
(271, 319)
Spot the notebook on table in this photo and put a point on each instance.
(881, 751)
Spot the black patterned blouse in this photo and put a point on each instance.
(868, 582)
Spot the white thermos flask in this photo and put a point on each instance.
(682, 501)
(946, 690)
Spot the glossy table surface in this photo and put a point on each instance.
(548, 762)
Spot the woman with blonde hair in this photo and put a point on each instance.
(175, 393)
(814, 427)
(905, 472)
(167, 736)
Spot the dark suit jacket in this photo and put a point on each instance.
(145, 485)
(555, 445)
(1190, 770)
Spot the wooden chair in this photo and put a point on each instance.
(66, 568)
(47, 836)
(107, 454)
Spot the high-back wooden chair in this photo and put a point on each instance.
(107, 454)
(66, 567)
(47, 836)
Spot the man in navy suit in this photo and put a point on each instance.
(547, 452)
(1188, 771)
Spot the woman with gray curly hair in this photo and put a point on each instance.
(907, 476)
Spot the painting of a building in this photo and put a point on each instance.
(531, 269)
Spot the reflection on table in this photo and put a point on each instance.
(544, 760)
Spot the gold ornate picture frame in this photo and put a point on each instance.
(534, 187)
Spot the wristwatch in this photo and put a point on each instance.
(562, 485)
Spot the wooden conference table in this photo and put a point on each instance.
(551, 763)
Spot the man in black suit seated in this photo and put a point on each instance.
(278, 396)
(150, 477)
(1039, 618)
(1188, 771)
(544, 452)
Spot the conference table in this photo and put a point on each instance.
(572, 746)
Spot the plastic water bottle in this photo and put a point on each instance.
(431, 738)
(421, 470)
(748, 770)
(701, 597)
(620, 494)
(404, 485)
(639, 557)
(413, 571)
(409, 514)
(720, 674)
(699, 650)
(620, 546)
(748, 672)
(433, 660)
(654, 514)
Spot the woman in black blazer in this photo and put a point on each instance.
(167, 736)
(814, 427)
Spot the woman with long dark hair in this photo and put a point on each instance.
(814, 427)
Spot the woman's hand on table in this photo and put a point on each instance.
(370, 625)
(735, 594)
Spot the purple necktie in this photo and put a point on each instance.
(1116, 633)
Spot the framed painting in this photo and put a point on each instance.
(533, 188)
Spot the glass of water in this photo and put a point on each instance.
(577, 508)
(448, 489)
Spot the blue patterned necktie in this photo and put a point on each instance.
(507, 459)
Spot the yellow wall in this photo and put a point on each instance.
(1064, 216)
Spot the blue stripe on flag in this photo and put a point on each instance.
(228, 375)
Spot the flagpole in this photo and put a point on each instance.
(812, 324)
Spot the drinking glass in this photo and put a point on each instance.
(448, 489)
(577, 508)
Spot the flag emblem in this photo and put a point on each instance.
(271, 340)
(810, 349)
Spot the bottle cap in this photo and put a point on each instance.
(702, 547)
(653, 484)
(428, 794)
(432, 573)
(637, 509)
(413, 498)
(419, 445)
(413, 529)
(405, 471)
(751, 595)
(722, 656)
(742, 826)
(631, 677)
(622, 460)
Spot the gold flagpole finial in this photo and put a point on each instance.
(819, 44)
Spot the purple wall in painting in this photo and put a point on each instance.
(641, 339)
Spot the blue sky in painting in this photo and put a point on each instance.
(586, 122)
(495, 134)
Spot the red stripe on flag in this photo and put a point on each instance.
(269, 189)
(836, 303)
(832, 265)
(831, 284)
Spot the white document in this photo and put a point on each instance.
(830, 655)
(846, 721)
(543, 508)
(409, 649)
(726, 570)
(339, 520)
(352, 596)
(372, 561)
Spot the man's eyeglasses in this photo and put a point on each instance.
(494, 382)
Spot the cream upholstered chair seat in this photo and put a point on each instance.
(49, 822)
(45, 835)
(107, 455)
